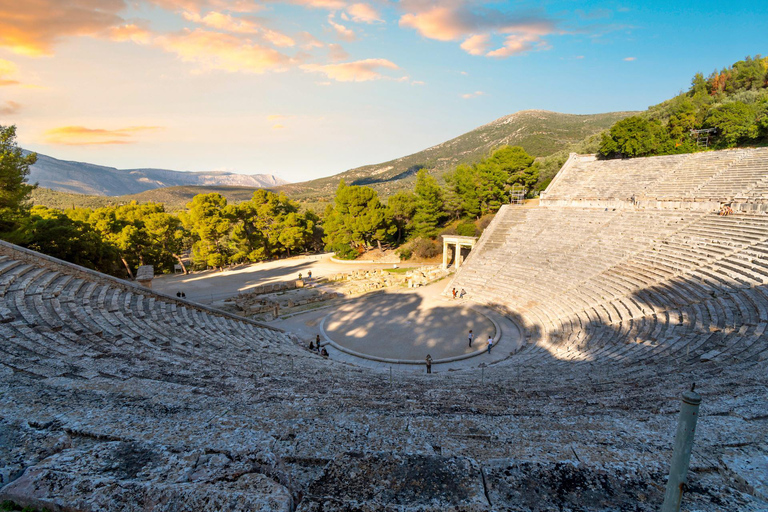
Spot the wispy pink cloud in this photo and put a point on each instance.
(364, 13)
(347, 34)
(222, 21)
(9, 108)
(477, 44)
(475, 26)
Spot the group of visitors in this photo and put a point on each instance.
(315, 347)
(460, 294)
(309, 276)
(470, 338)
(725, 210)
(181, 295)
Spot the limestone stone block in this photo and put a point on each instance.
(402, 482)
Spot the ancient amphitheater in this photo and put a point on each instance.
(627, 283)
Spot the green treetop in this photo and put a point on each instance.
(14, 190)
(356, 220)
(429, 205)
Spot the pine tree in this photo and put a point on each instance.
(14, 190)
(429, 205)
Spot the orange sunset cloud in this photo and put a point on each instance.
(82, 136)
(223, 22)
(33, 27)
(195, 6)
(7, 69)
(358, 71)
(218, 51)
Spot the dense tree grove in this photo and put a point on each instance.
(733, 102)
(119, 239)
(357, 220)
(482, 188)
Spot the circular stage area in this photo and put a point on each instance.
(404, 327)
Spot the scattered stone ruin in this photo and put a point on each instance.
(114, 397)
(362, 281)
(280, 297)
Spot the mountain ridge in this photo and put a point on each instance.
(91, 179)
(539, 132)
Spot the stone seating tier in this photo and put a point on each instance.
(697, 181)
(690, 273)
(113, 397)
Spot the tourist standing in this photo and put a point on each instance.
(454, 293)
(317, 342)
(490, 343)
(471, 337)
(428, 360)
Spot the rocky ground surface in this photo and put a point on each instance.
(305, 433)
(113, 398)
(268, 302)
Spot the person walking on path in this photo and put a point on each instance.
(317, 342)
(471, 337)
(454, 293)
(428, 360)
(490, 343)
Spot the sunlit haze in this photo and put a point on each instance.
(309, 88)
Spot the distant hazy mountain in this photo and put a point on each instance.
(83, 178)
(539, 132)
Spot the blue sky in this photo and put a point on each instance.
(309, 88)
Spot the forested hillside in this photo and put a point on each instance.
(730, 104)
(539, 132)
(173, 198)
